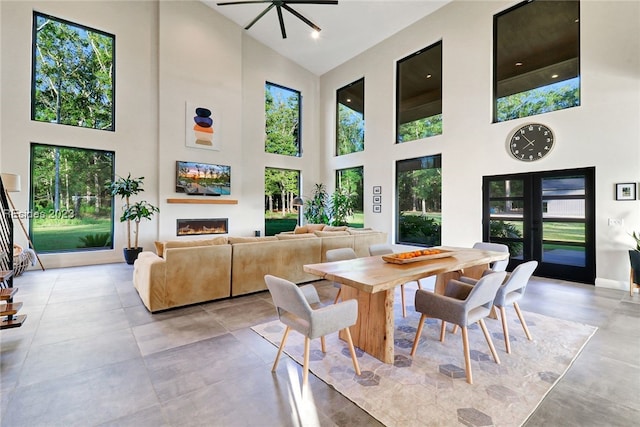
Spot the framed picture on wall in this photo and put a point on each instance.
(377, 200)
(202, 126)
(377, 208)
(377, 189)
(626, 191)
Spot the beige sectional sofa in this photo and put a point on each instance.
(188, 272)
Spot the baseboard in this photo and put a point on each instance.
(612, 284)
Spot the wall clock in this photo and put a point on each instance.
(530, 142)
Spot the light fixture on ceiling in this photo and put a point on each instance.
(315, 34)
(554, 76)
(519, 64)
(279, 5)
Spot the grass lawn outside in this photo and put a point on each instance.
(65, 236)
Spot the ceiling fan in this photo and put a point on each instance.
(279, 5)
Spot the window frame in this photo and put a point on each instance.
(299, 112)
(495, 99)
(398, 94)
(64, 214)
(34, 36)
(338, 103)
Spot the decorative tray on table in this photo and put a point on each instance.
(417, 255)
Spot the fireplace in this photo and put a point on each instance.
(186, 227)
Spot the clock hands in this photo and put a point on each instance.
(528, 140)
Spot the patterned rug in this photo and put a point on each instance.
(430, 388)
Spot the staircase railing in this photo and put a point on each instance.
(6, 234)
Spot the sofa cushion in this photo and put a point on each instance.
(300, 229)
(295, 236)
(315, 227)
(331, 233)
(162, 246)
(236, 240)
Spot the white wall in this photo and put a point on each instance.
(167, 53)
(135, 27)
(603, 132)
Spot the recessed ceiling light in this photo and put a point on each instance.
(518, 64)
(315, 34)
(348, 99)
(428, 76)
(554, 76)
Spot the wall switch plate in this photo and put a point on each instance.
(616, 222)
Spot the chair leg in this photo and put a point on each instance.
(505, 329)
(419, 285)
(284, 338)
(404, 306)
(489, 341)
(455, 329)
(467, 356)
(305, 366)
(324, 345)
(524, 324)
(352, 350)
(443, 330)
(335, 301)
(418, 333)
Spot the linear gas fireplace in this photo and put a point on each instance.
(185, 227)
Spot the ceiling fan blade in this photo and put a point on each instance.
(284, 33)
(302, 18)
(311, 1)
(259, 16)
(226, 3)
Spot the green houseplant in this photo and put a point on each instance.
(316, 209)
(125, 188)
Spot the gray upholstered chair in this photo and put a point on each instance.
(495, 247)
(462, 304)
(384, 249)
(339, 254)
(299, 309)
(511, 292)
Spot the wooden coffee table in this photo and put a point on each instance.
(372, 281)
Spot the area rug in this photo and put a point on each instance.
(430, 389)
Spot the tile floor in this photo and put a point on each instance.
(90, 354)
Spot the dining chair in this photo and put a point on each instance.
(340, 254)
(511, 292)
(299, 309)
(384, 249)
(463, 305)
(495, 247)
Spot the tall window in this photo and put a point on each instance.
(71, 209)
(419, 195)
(73, 75)
(350, 118)
(282, 114)
(536, 58)
(350, 182)
(419, 94)
(281, 186)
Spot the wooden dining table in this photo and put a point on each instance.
(372, 281)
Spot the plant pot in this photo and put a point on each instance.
(634, 258)
(130, 255)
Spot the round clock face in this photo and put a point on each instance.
(531, 142)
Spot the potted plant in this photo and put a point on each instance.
(316, 211)
(341, 207)
(125, 188)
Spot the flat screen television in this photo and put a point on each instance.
(203, 179)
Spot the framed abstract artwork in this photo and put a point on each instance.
(626, 191)
(202, 127)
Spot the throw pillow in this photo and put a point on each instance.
(301, 229)
(315, 227)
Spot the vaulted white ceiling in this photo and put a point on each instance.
(348, 29)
